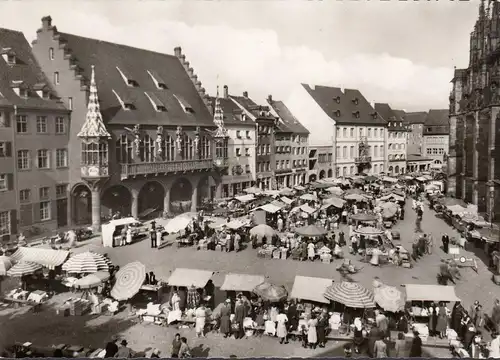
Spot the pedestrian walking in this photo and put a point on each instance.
(184, 351)
(152, 235)
(176, 346)
(129, 236)
(312, 336)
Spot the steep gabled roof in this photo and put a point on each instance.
(347, 107)
(113, 62)
(252, 107)
(437, 122)
(416, 117)
(288, 122)
(26, 70)
(233, 115)
(394, 121)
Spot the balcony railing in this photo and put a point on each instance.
(165, 167)
(363, 159)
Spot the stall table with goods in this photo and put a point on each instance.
(418, 299)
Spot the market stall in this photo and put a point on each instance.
(45, 257)
(310, 289)
(86, 263)
(111, 232)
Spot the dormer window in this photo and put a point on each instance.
(400, 124)
(337, 99)
(356, 114)
(157, 104)
(375, 115)
(9, 56)
(355, 101)
(184, 104)
(19, 88)
(129, 80)
(337, 113)
(126, 103)
(42, 90)
(243, 117)
(159, 82)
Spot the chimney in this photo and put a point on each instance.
(226, 92)
(178, 51)
(46, 22)
(245, 94)
(190, 72)
(269, 98)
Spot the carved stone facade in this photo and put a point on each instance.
(474, 159)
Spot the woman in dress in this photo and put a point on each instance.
(358, 338)
(375, 257)
(225, 319)
(433, 315)
(312, 336)
(129, 236)
(281, 329)
(200, 315)
(176, 301)
(380, 349)
(311, 253)
(321, 328)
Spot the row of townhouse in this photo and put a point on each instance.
(89, 128)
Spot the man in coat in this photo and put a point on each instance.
(225, 319)
(495, 315)
(416, 346)
(240, 313)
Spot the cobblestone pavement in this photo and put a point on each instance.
(162, 262)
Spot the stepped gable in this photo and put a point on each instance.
(288, 120)
(348, 107)
(136, 85)
(394, 121)
(24, 72)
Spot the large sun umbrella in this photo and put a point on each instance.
(355, 197)
(388, 297)
(369, 231)
(92, 280)
(129, 280)
(389, 210)
(263, 230)
(178, 223)
(86, 263)
(311, 231)
(286, 192)
(364, 217)
(335, 201)
(335, 190)
(350, 294)
(270, 292)
(23, 268)
(5, 265)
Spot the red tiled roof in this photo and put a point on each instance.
(136, 63)
(394, 121)
(416, 117)
(26, 70)
(288, 122)
(232, 113)
(350, 102)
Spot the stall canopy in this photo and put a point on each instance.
(310, 288)
(418, 292)
(245, 198)
(456, 209)
(309, 197)
(307, 209)
(286, 200)
(241, 282)
(269, 208)
(190, 277)
(45, 257)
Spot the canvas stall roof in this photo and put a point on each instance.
(310, 288)
(299, 187)
(190, 277)
(45, 257)
(456, 209)
(270, 208)
(419, 292)
(245, 198)
(286, 200)
(124, 221)
(307, 209)
(389, 179)
(278, 203)
(241, 282)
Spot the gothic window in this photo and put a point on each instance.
(205, 148)
(147, 149)
(187, 148)
(124, 150)
(169, 148)
(94, 154)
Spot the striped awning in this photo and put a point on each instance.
(86, 263)
(46, 257)
(351, 295)
(23, 268)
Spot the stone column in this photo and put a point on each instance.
(194, 199)
(69, 210)
(218, 191)
(96, 208)
(134, 206)
(166, 200)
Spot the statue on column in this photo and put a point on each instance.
(197, 141)
(159, 141)
(478, 99)
(495, 98)
(137, 138)
(178, 140)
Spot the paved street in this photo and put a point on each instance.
(162, 262)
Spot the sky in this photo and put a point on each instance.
(397, 52)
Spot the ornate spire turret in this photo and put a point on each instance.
(94, 125)
(221, 131)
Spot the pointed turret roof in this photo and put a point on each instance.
(94, 125)
(219, 118)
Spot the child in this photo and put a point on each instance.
(303, 336)
(347, 350)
